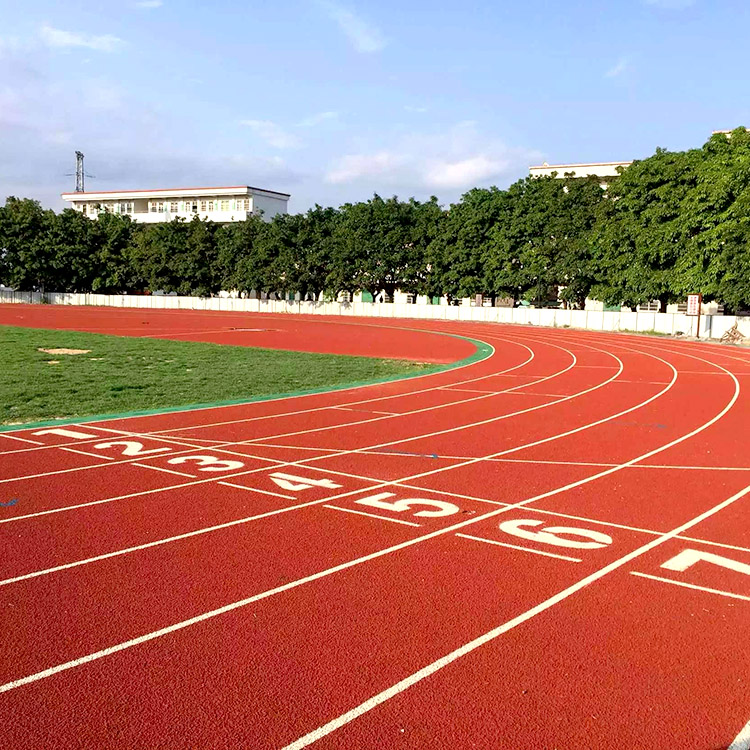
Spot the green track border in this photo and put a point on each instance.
(482, 351)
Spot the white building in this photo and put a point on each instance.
(606, 170)
(219, 204)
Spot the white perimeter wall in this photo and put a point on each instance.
(711, 326)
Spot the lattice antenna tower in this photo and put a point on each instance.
(80, 174)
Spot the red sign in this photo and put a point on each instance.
(694, 304)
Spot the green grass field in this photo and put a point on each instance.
(123, 374)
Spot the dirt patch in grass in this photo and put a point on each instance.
(64, 351)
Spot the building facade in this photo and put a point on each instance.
(605, 170)
(219, 204)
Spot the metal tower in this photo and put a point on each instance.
(79, 172)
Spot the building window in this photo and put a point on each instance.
(203, 207)
(152, 207)
(173, 207)
(225, 205)
(210, 205)
(244, 204)
(161, 207)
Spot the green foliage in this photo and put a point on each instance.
(669, 225)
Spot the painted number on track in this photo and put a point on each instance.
(401, 506)
(132, 448)
(296, 484)
(66, 433)
(688, 557)
(557, 536)
(208, 463)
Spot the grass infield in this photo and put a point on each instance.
(124, 374)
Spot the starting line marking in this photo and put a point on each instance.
(742, 740)
(522, 549)
(255, 489)
(168, 471)
(371, 515)
(86, 453)
(691, 586)
(23, 440)
(491, 635)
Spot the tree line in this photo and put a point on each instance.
(669, 225)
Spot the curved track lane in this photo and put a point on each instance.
(548, 548)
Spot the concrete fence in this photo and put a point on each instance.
(711, 326)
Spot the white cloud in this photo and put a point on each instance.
(456, 159)
(149, 4)
(317, 119)
(363, 36)
(419, 110)
(618, 69)
(272, 134)
(59, 39)
(354, 167)
(671, 4)
(466, 172)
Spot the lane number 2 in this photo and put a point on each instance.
(132, 448)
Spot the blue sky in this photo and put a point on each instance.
(332, 100)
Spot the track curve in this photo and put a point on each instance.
(545, 548)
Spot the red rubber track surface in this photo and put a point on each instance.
(549, 548)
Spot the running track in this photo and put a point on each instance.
(547, 548)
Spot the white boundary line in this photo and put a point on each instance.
(250, 441)
(253, 489)
(305, 461)
(518, 547)
(742, 740)
(417, 540)
(491, 635)
(371, 515)
(406, 381)
(683, 584)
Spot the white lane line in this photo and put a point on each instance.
(742, 740)
(371, 515)
(364, 421)
(368, 411)
(255, 489)
(691, 586)
(267, 437)
(155, 543)
(516, 546)
(471, 390)
(491, 635)
(305, 462)
(86, 453)
(166, 471)
(417, 540)
(513, 342)
(23, 440)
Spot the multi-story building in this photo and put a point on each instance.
(219, 204)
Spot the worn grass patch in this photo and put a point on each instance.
(122, 374)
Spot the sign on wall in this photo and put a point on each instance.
(694, 304)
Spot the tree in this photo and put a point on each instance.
(113, 270)
(457, 255)
(641, 231)
(375, 248)
(26, 262)
(237, 264)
